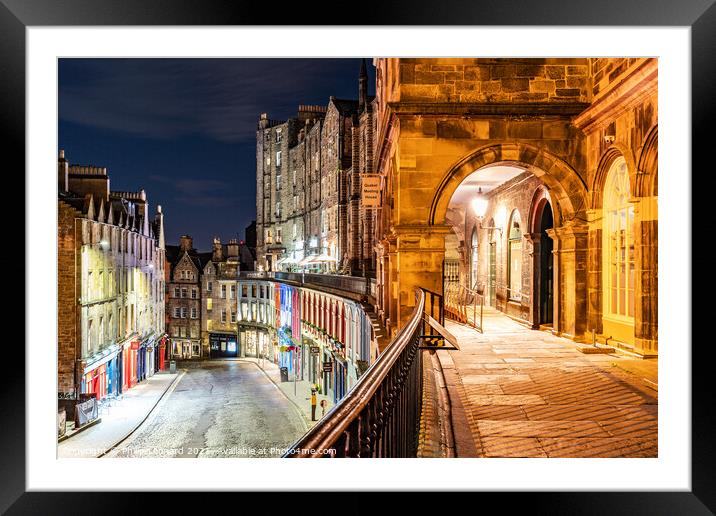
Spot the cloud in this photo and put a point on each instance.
(219, 99)
(205, 193)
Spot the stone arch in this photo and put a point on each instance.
(540, 199)
(613, 152)
(647, 167)
(569, 191)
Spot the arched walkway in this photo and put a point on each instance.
(564, 196)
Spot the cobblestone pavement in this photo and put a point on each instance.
(529, 393)
(218, 409)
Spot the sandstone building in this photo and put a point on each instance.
(110, 268)
(532, 182)
(308, 187)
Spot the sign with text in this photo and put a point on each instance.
(370, 190)
(327, 367)
(315, 349)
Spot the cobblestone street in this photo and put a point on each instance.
(529, 393)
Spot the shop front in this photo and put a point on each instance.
(128, 368)
(100, 375)
(223, 345)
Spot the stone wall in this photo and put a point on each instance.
(66, 297)
(494, 80)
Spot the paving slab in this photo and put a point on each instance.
(529, 393)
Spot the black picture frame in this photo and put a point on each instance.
(700, 15)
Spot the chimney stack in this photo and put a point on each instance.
(232, 249)
(62, 172)
(217, 254)
(186, 243)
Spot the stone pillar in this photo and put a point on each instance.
(535, 241)
(420, 254)
(570, 264)
(594, 272)
(646, 292)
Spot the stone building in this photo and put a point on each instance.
(530, 181)
(184, 298)
(110, 284)
(308, 213)
(219, 281)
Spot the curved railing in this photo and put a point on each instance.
(380, 416)
(464, 305)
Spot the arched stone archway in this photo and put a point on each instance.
(567, 188)
(569, 201)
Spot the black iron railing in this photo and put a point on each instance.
(380, 416)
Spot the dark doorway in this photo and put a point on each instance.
(546, 267)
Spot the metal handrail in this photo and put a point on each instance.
(459, 300)
(380, 416)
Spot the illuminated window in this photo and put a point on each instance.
(209, 303)
(515, 257)
(473, 260)
(618, 243)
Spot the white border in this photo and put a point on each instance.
(672, 468)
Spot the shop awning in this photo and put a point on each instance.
(325, 258)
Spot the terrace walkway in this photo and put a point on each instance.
(527, 393)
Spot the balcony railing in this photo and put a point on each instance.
(380, 416)
(464, 305)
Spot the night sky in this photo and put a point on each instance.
(185, 129)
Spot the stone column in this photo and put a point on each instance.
(420, 254)
(646, 292)
(535, 241)
(594, 272)
(570, 264)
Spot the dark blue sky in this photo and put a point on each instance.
(185, 129)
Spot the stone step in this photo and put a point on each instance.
(588, 349)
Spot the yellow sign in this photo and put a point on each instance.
(370, 190)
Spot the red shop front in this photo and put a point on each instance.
(162, 353)
(129, 364)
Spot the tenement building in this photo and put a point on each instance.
(183, 298)
(529, 182)
(308, 177)
(110, 301)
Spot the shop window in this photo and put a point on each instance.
(618, 243)
(515, 257)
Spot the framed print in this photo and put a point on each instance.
(432, 245)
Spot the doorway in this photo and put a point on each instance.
(493, 273)
(546, 267)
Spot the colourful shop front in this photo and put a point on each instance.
(100, 375)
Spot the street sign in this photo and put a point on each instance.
(327, 367)
(315, 349)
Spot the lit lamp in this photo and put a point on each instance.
(479, 206)
(104, 244)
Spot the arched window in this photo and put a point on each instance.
(473, 260)
(618, 243)
(514, 254)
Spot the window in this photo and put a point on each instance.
(183, 313)
(473, 260)
(278, 182)
(209, 303)
(244, 291)
(293, 178)
(279, 134)
(233, 291)
(89, 336)
(101, 285)
(193, 293)
(278, 208)
(223, 291)
(176, 292)
(233, 316)
(193, 312)
(183, 292)
(176, 312)
(515, 257)
(209, 286)
(223, 316)
(618, 243)
(278, 158)
(101, 331)
(90, 278)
